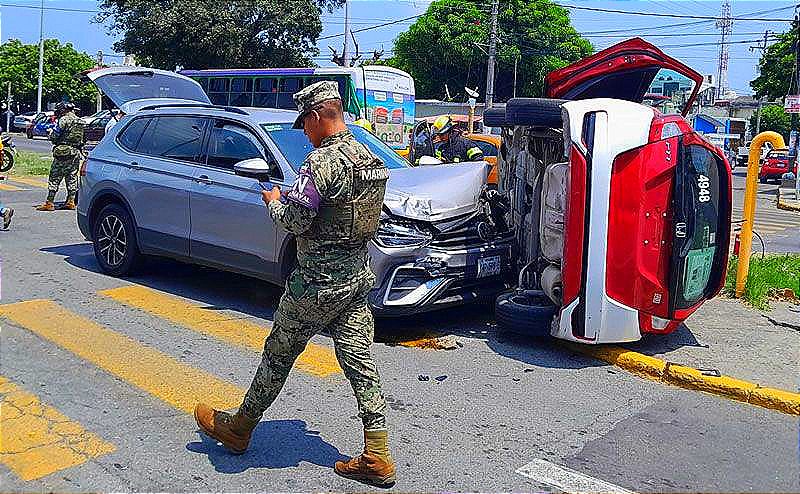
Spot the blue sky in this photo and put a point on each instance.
(77, 28)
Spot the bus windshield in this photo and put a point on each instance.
(295, 145)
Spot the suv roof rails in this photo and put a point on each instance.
(231, 109)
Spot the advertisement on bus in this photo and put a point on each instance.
(389, 98)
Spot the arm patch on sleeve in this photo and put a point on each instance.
(304, 191)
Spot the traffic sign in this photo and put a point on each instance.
(792, 104)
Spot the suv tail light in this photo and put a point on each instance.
(84, 164)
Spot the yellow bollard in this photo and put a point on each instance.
(750, 190)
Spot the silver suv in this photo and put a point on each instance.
(183, 179)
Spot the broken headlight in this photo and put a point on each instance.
(391, 234)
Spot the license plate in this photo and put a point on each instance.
(488, 266)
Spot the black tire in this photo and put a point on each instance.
(539, 112)
(114, 223)
(8, 161)
(495, 117)
(524, 314)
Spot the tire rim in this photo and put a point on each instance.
(113, 242)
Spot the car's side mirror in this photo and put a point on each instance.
(256, 168)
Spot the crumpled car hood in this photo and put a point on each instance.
(435, 192)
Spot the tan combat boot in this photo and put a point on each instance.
(47, 206)
(233, 431)
(70, 204)
(375, 465)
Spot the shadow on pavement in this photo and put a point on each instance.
(274, 444)
(221, 290)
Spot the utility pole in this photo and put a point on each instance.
(346, 49)
(514, 92)
(492, 53)
(763, 48)
(8, 108)
(41, 58)
(99, 65)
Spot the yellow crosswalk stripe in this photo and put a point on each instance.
(166, 378)
(37, 440)
(9, 187)
(316, 359)
(36, 182)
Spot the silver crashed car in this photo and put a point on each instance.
(182, 178)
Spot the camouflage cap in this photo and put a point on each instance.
(309, 97)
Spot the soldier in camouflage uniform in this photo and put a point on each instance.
(333, 210)
(67, 139)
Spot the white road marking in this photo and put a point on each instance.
(566, 479)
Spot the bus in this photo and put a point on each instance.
(382, 95)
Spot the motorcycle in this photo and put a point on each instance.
(8, 153)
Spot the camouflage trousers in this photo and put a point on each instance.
(63, 169)
(304, 310)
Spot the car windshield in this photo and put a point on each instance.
(295, 145)
(779, 154)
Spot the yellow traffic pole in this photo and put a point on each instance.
(750, 190)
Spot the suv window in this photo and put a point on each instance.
(230, 143)
(131, 135)
(176, 137)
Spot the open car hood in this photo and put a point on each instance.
(436, 192)
(623, 71)
(125, 85)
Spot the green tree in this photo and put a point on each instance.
(777, 68)
(202, 34)
(772, 118)
(19, 63)
(445, 46)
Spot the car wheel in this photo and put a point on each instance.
(8, 161)
(114, 239)
(521, 313)
(495, 117)
(540, 112)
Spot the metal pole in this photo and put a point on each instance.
(41, 58)
(516, 59)
(749, 213)
(492, 53)
(346, 49)
(99, 65)
(758, 115)
(8, 108)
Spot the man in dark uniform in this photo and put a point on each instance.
(453, 147)
(333, 209)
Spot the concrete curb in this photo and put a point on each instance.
(788, 205)
(655, 369)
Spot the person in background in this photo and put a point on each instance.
(454, 147)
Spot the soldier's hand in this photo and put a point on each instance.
(273, 194)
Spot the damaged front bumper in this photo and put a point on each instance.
(438, 275)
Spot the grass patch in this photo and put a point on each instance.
(766, 277)
(28, 163)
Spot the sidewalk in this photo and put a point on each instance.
(787, 197)
(728, 336)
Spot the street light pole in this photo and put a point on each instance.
(492, 53)
(41, 58)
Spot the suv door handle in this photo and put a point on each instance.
(203, 179)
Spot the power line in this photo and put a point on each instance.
(674, 16)
(37, 7)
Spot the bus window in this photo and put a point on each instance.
(288, 86)
(241, 92)
(218, 88)
(266, 89)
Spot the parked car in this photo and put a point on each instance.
(621, 213)
(175, 178)
(775, 164)
(41, 125)
(21, 121)
(95, 127)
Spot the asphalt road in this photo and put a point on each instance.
(98, 376)
(40, 145)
